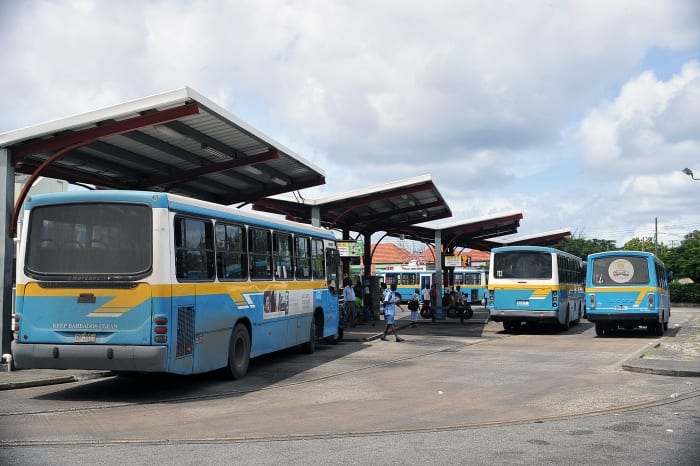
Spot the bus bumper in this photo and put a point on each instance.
(640, 317)
(117, 358)
(504, 315)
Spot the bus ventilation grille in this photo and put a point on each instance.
(185, 331)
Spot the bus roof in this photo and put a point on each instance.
(534, 249)
(175, 202)
(623, 252)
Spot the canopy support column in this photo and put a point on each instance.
(7, 249)
(439, 311)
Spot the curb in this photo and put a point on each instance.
(661, 367)
(668, 367)
(54, 380)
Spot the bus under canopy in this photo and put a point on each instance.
(154, 282)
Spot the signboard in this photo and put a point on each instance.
(351, 248)
(457, 261)
(453, 261)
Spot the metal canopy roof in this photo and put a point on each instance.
(547, 238)
(177, 142)
(380, 208)
(470, 233)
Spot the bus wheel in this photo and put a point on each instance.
(238, 353)
(600, 329)
(659, 327)
(578, 317)
(335, 339)
(566, 325)
(310, 346)
(511, 326)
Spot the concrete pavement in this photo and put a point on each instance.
(677, 353)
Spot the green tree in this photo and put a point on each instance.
(684, 260)
(645, 244)
(582, 247)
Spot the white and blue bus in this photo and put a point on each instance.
(154, 282)
(472, 282)
(627, 289)
(407, 280)
(534, 284)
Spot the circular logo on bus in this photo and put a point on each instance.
(621, 270)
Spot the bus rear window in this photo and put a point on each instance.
(522, 265)
(89, 241)
(620, 270)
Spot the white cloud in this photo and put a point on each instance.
(649, 124)
(546, 107)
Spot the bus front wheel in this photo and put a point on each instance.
(238, 353)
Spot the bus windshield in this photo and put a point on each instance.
(620, 270)
(523, 264)
(89, 241)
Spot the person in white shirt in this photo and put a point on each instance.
(349, 297)
(391, 302)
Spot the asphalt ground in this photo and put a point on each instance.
(677, 353)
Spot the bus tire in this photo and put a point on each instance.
(238, 353)
(511, 326)
(659, 327)
(600, 329)
(336, 338)
(310, 346)
(578, 317)
(566, 325)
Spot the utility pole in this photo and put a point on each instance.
(656, 236)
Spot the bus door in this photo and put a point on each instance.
(424, 282)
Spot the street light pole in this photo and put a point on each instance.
(689, 172)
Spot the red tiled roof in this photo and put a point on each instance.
(390, 253)
(475, 254)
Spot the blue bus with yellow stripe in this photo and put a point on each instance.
(154, 282)
(627, 289)
(537, 285)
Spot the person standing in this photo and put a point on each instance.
(390, 305)
(426, 299)
(349, 297)
(413, 306)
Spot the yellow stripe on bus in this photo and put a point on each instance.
(641, 290)
(123, 300)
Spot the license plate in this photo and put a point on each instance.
(621, 308)
(522, 302)
(85, 338)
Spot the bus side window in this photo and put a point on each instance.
(302, 258)
(260, 244)
(231, 252)
(194, 249)
(283, 256)
(317, 259)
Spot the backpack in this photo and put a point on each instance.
(389, 297)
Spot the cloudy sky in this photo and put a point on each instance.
(581, 114)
